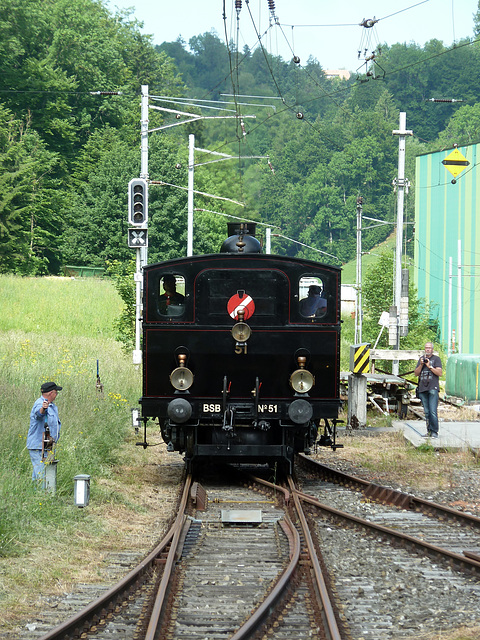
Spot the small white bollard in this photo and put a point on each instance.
(50, 477)
(81, 490)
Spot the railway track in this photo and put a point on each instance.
(244, 566)
(334, 557)
(401, 564)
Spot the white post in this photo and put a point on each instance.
(141, 252)
(144, 152)
(137, 353)
(191, 159)
(358, 279)
(144, 133)
(449, 349)
(459, 298)
(268, 240)
(402, 132)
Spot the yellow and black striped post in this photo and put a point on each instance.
(357, 385)
(360, 358)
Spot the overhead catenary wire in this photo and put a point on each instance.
(228, 215)
(336, 91)
(279, 235)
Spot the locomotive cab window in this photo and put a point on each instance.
(312, 298)
(171, 295)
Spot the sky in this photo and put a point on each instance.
(327, 31)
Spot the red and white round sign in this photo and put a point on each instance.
(239, 301)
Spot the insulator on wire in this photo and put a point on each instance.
(270, 166)
(368, 23)
(105, 93)
(238, 4)
(271, 5)
(242, 127)
(449, 100)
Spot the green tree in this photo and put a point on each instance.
(415, 75)
(96, 229)
(54, 54)
(30, 204)
(462, 128)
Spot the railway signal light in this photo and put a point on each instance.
(138, 201)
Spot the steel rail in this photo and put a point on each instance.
(264, 610)
(455, 558)
(82, 621)
(330, 620)
(274, 487)
(161, 597)
(386, 495)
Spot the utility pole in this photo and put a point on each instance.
(268, 240)
(459, 297)
(358, 279)
(137, 237)
(191, 167)
(144, 155)
(401, 185)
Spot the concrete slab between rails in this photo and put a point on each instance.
(451, 435)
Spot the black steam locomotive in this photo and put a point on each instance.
(241, 353)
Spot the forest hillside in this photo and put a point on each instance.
(70, 83)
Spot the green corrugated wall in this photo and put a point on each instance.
(463, 377)
(444, 214)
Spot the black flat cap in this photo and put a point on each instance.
(50, 386)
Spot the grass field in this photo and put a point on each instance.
(57, 329)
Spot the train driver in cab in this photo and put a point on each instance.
(171, 302)
(314, 305)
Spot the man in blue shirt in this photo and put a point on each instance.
(44, 413)
(314, 305)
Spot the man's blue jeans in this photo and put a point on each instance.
(37, 463)
(429, 401)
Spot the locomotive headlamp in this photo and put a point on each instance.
(181, 378)
(302, 380)
(241, 332)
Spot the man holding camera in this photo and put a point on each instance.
(428, 371)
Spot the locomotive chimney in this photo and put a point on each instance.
(241, 238)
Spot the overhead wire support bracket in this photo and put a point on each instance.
(225, 156)
(201, 193)
(191, 117)
(196, 102)
(279, 235)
